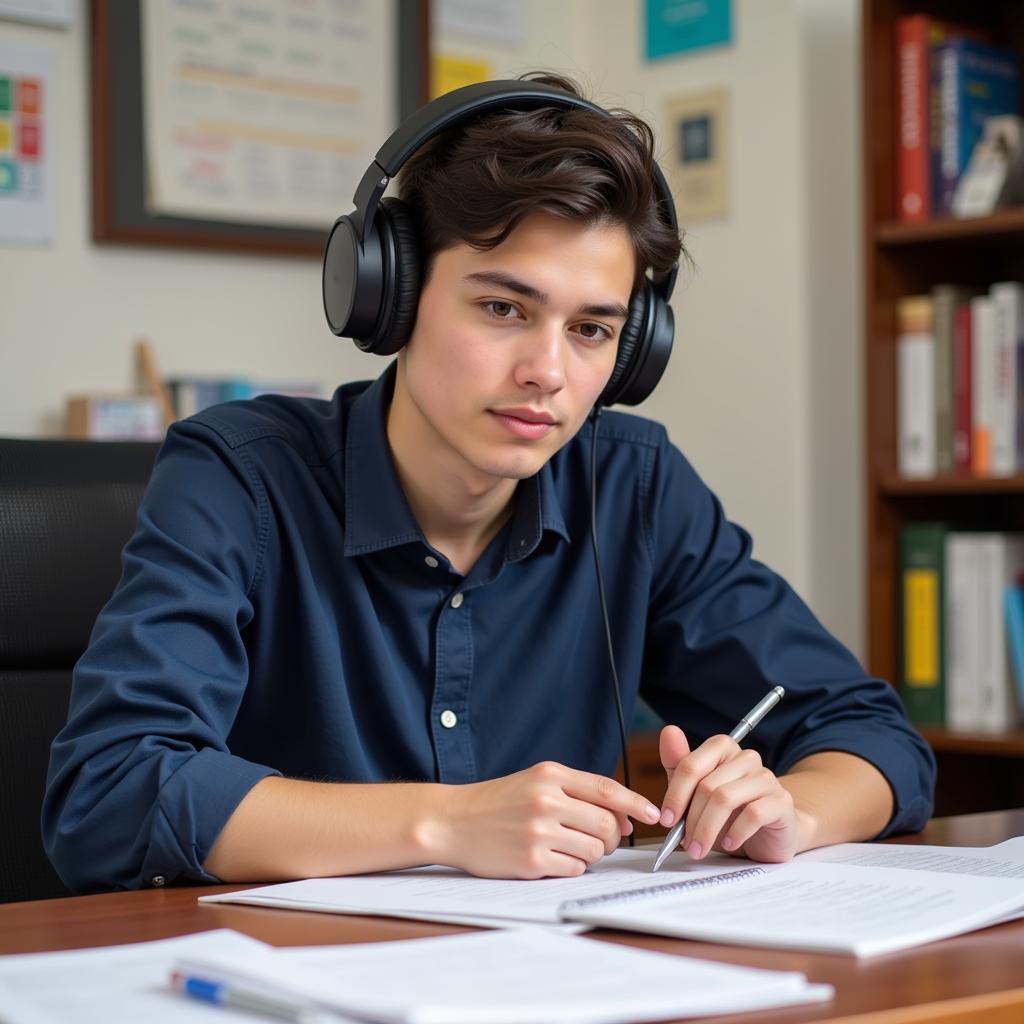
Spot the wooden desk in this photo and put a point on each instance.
(957, 981)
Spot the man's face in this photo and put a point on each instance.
(512, 346)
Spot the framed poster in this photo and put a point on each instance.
(244, 126)
(698, 164)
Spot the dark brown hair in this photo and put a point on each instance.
(476, 182)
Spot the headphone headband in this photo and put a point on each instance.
(466, 104)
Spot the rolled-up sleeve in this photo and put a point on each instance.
(723, 629)
(141, 781)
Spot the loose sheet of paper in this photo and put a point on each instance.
(446, 894)
(512, 975)
(113, 984)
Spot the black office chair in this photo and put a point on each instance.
(66, 510)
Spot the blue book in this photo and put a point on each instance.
(207, 393)
(970, 82)
(1014, 605)
(234, 389)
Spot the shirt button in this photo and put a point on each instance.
(457, 601)
(449, 719)
(158, 880)
(431, 561)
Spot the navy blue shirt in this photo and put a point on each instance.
(280, 611)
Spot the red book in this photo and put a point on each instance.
(962, 409)
(912, 113)
(916, 37)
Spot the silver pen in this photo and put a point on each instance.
(746, 723)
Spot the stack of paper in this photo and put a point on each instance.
(479, 978)
(505, 976)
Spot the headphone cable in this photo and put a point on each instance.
(595, 418)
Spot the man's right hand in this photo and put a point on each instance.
(548, 820)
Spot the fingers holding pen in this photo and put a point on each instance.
(739, 806)
(727, 794)
(721, 797)
(690, 771)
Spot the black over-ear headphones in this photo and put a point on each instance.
(371, 275)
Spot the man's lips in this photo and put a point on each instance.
(527, 414)
(516, 423)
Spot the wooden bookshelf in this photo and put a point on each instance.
(977, 771)
(1004, 224)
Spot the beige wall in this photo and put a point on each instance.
(762, 389)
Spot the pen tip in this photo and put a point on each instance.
(780, 690)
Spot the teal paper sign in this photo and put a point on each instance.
(676, 26)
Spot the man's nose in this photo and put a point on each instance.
(542, 363)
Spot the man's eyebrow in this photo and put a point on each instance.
(500, 279)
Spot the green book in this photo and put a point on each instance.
(922, 680)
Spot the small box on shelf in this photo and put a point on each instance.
(114, 417)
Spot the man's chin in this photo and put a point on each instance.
(512, 468)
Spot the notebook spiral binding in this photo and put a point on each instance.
(588, 902)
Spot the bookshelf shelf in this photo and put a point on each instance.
(977, 771)
(998, 226)
(1002, 745)
(894, 486)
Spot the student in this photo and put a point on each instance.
(365, 634)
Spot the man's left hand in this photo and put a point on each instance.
(731, 800)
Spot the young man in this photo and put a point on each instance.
(364, 634)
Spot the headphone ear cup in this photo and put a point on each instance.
(630, 338)
(644, 347)
(400, 244)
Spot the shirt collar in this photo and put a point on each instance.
(377, 514)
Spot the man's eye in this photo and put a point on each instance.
(594, 332)
(500, 309)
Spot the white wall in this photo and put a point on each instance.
(763, 388)
(833, 287)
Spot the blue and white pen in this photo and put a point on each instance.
(746, 723)
(221, 994)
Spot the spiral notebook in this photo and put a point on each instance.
(859, 899)
(854, 898)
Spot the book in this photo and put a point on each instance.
(962, 393)
(946, 299)
(1001, 557)
(190, 395)
(963, 630)
(982, 383)
(1014, 608)
(922, 682)
(1007, 338)
(915, 355)
(972, 81)
(980, 568)
(917, 35)
(856, 899)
